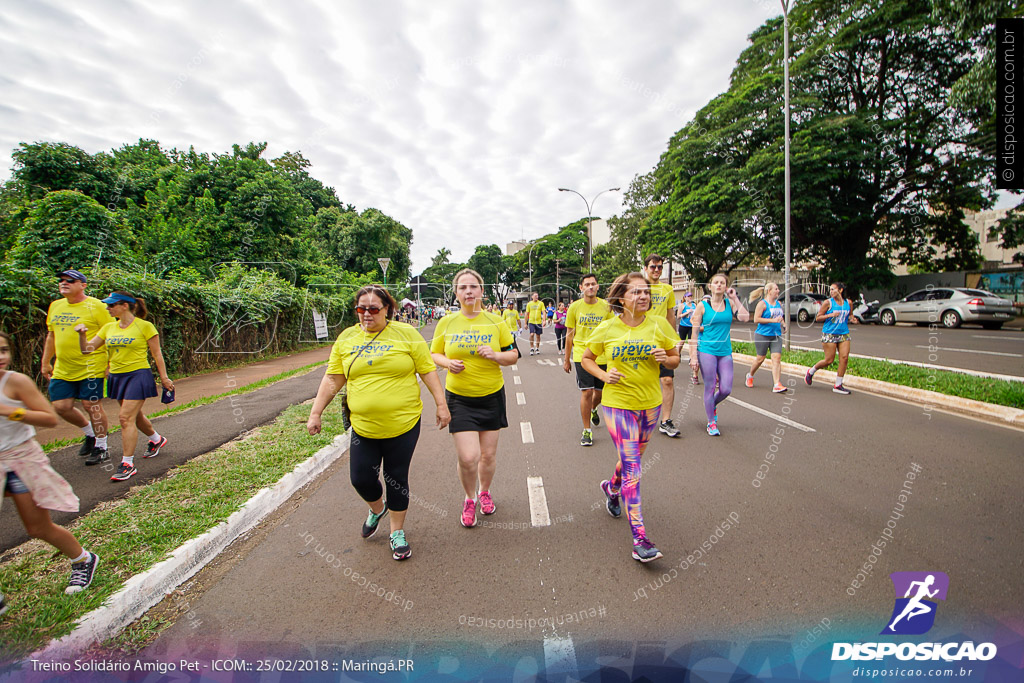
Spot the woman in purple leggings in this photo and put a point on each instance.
(711, 346)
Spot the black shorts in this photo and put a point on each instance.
(685, 331)
(665, 372)
(476, 413)
(584, 380)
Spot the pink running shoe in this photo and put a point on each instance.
(486, 503)
(469, 514)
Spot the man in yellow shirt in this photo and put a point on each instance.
(535, 320)
(663, 303)
(582, 318)
(77, 376)
(511, 317)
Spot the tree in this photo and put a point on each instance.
(623, 252)
(441, 257)
(42, 167)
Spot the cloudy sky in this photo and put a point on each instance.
(459, 118)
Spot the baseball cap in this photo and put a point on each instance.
(73, 274)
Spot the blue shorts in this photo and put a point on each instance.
(536, 328)
(14, 484)
(84, 389)
(136, 385)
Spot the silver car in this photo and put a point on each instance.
(951, 306)
(804, 305)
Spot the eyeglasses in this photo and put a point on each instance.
(372, 310)
(66, 281)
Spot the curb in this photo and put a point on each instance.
(143, 591)
(931, 400)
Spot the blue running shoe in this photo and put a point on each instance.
(713, 429)
(644, 550)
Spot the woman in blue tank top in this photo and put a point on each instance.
(835, 335)
(768, 336)
(711, 346)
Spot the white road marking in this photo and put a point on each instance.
(987, 353)
(520, 398)
(559, 656)
(538, 501)
(515, 368)
(546, 361)
(527, 429)
(1004, 337)
(766, 413)
(517, 379)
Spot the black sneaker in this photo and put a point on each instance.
(87, 446)
(81, 574)
(372, 521)
(98, 455)
(124, 472)
(668, 429)
(614, 509)
(587, 439)
(400, 549)
(644, 550)
(153, 449)
(595, 418)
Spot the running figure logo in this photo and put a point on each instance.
(916, 595)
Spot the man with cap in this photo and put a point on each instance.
(77, 376)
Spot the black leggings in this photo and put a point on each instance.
(560, 337)
(365, 458)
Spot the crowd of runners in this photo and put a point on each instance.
(624, 349)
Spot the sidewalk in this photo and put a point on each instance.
(200, 386)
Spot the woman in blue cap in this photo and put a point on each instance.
(131, 378)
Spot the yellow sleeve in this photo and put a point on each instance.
(596, 341)
(104, 331)
(49, 314)
(666, 337)
(437, 343)
(103, 317)
(149, 330)
(420, 353)
(505, 338)
(671, 299)
(336, 363)
(570, 316)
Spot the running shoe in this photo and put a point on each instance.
(644, 550)
(779, 388)
(153, 449)
(372, 522)
(614, 509)
(713, 429)
(87, 446)
(808, 377)
(695, 379)
(840, 389)
(595, 417)
(98, 455)
(468, 518)
(668, 429)
(749, 381)
(81, 574)
(124, 472)
(587, 439)
(400, 549)
(487, 506)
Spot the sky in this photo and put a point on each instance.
(461, 119)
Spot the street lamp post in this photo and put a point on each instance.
(785, 78)
(530, 259)
(384, 263)
(590, 222)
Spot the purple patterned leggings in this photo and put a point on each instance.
(630, 431)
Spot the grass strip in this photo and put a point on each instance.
(998, 391)
(135, 532)
(205, 400)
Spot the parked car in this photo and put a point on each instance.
(951, 306)
(804, 305)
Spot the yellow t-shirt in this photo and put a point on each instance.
(663, 299)
(127, 349)
(511, 318)
(458, 338)
(631, 351)
(535, 312)
(584, 318)
(71, 364)
(383, 393)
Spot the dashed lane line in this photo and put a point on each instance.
(538, 502)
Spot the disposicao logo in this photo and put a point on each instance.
(913, 613)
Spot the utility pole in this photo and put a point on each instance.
(558, 289)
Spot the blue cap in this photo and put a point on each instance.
(115, 298)
(73, 274)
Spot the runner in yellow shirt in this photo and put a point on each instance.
(131, 380)
(636, 345)
(473, 345)
(663, 304)
(74, 376)
(582, 318)
(512, 318)
(535, 320)
(379, 359)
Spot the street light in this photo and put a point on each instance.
(785, 78)
(530, 259)
(384, 262)
(590, 222)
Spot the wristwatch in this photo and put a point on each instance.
(18, 415)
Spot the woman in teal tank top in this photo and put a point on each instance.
(835, 335)
(711, 347)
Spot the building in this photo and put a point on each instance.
(994, 255)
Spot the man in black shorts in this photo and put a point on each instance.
(582, 318)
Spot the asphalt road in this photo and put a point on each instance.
(189, 434)
(995, 351)
(796, 543)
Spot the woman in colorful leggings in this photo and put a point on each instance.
(711, 345)
(635, 345)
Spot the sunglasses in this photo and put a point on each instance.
(66, 281)
(372, 310)
(662, 267)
